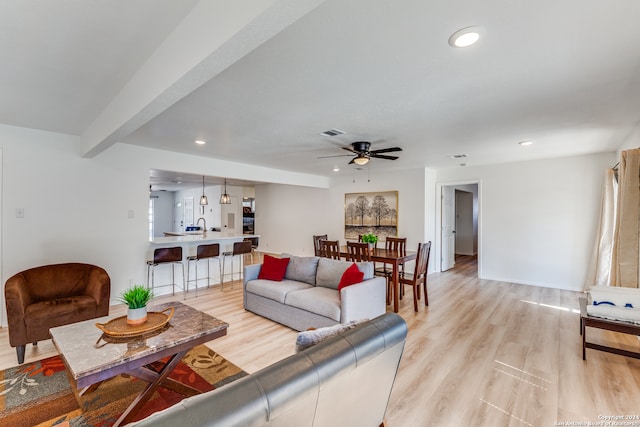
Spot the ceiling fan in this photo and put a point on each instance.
(363, 153)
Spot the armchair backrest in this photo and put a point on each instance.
(61, 280)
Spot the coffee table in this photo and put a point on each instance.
(91, 357)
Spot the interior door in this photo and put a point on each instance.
(448, 228)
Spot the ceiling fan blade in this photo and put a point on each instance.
(338, 155)
(350, 149)
(386, 150)
(380, 156)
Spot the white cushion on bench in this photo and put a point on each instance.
(615, 313)
(620, 297)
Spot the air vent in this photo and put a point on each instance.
(458, 156)
(331, 133)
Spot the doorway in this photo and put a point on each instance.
(459, 223)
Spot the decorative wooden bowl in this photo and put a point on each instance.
(118, 327)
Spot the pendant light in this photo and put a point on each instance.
(203, 199)
(225, 198)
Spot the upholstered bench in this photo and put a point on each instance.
(613, 309)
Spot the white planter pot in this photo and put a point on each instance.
(136, 316)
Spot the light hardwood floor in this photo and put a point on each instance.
(484, 353)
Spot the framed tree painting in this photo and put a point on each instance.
(375, 213)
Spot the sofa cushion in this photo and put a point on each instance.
(62, 311)
(351, 276)
(330, 271)
(276, 291)
(302, 269)
(273, 268)
(318, 300)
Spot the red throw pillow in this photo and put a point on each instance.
(351, 276)
(273, 268)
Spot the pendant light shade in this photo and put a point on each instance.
(225, 198)
(203, 199)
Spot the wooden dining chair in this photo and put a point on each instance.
(330, 249)
(358, 252)
(419, 275)
(316, 243)
(393, 244)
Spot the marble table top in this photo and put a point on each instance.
(91, 357)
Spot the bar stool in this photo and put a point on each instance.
(206, 252)
(241, 249)
(161, 256)
(254, 247)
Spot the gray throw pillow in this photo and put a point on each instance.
(310, 338)
(301, 269)
(330, 271)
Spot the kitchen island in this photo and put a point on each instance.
(197, 238)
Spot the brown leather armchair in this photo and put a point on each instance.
(53, 295)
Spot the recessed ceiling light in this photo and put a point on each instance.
(336, 169)
(525, 143)
(465, 37)
(200, 142)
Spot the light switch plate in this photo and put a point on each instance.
(19, 212)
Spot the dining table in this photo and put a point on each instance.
(395, 259)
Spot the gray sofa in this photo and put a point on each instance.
(343, 381)
(308, 296)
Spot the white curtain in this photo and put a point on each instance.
(626, 241)
(601, 260)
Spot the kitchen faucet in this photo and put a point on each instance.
(204, 223)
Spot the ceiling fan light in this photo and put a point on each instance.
(361, 160)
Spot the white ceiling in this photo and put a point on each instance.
(565, 74)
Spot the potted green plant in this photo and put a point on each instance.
(136, 298)
(371, 239)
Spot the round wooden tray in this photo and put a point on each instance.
(118, 327)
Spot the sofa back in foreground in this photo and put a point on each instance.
(343, 381)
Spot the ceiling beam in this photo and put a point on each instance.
(212, 37)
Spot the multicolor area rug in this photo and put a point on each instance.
(40, 394)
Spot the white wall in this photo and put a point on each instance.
(79, 209)
(287, 216)
(538, 218)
